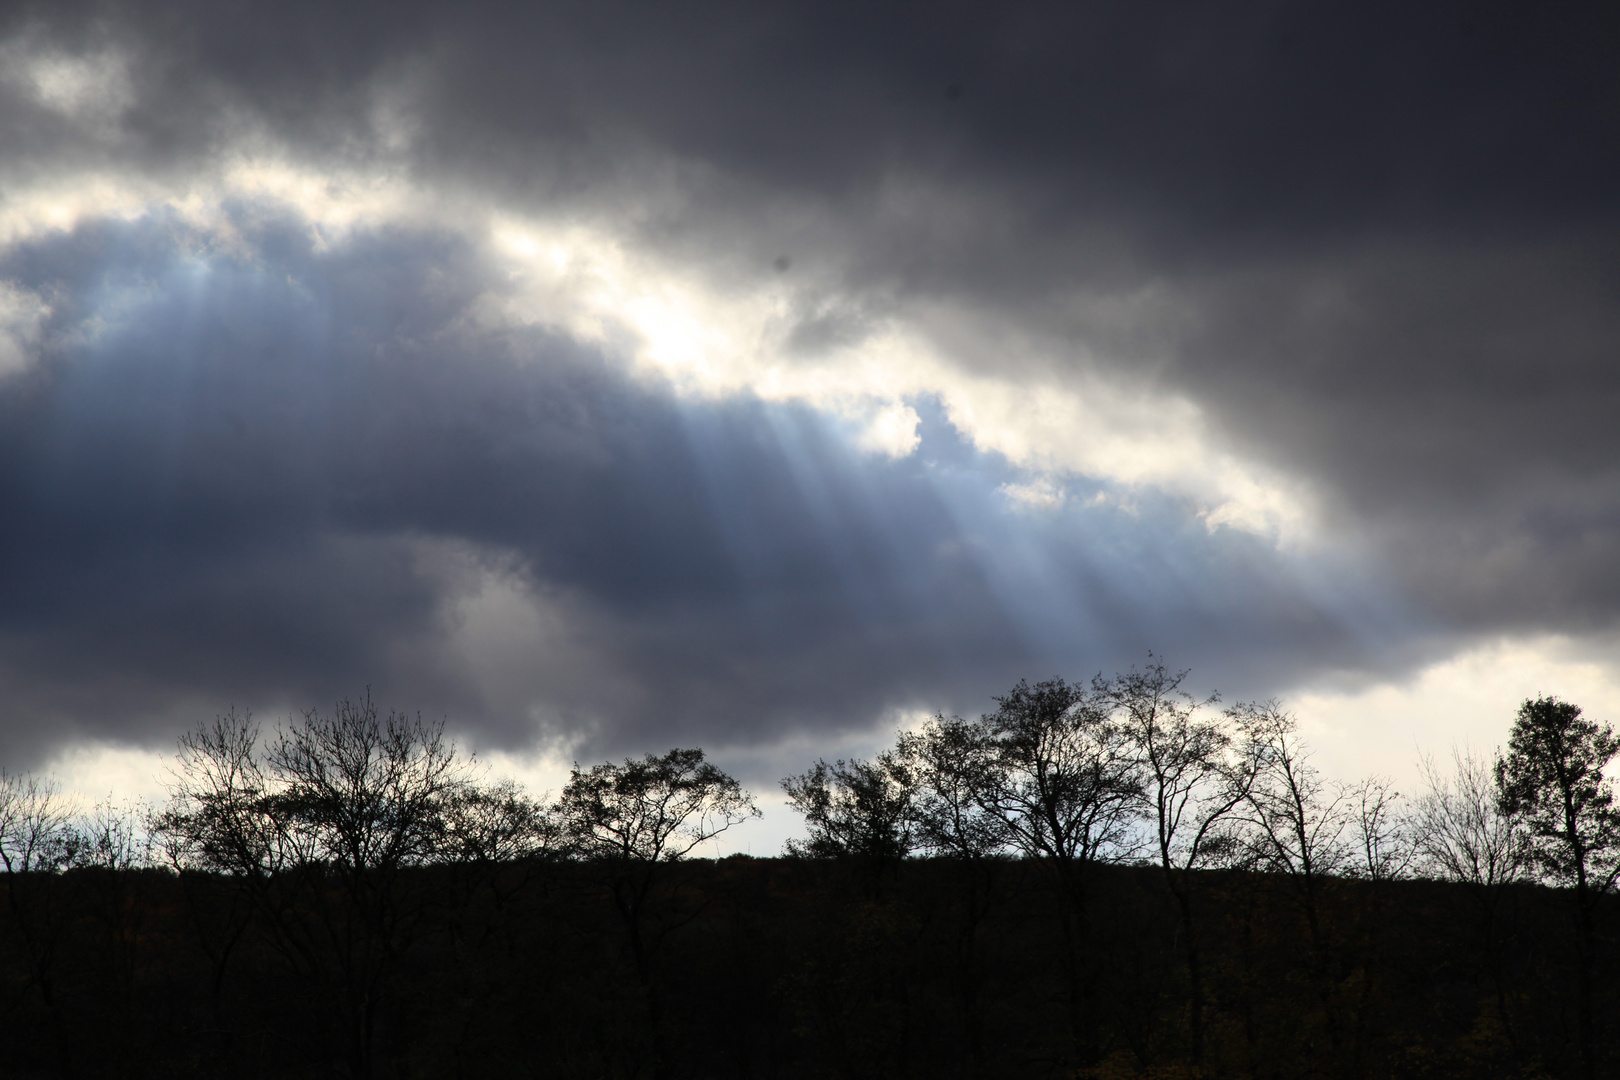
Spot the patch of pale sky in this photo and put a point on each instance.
(91, 772)
(1467, 699)
(1091, 427)
(334, 202)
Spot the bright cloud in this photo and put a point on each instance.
(92, 772)
(707, 341)
(705, 338)
(92, 89)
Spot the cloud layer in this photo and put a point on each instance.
(618, 376)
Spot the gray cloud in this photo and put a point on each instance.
(243, 484)
(1376, 244)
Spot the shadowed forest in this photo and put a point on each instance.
(1107, 879)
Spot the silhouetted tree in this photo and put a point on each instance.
(1299, 822)
(316, 828)
(224, 815)
(111, 851)
(635, 818)
(112, 837)
(1462, 836)
(1299, 827)
(37, 838)
(1194, 779)
(36, 824)
(1552, 779)
(492, 824)
(1461, 832)
(535, 975)
(1067, 791)
(952, 764)
(1381, 831)
(857, 810)
(222, 833)
(1067, 785)
(652, 810)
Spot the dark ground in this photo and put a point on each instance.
(782, 968)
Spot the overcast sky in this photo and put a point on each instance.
(609, 377)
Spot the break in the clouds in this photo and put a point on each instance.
(617, 376)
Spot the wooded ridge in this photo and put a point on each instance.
(1100, 879)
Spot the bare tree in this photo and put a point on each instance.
(36, 824)
(1300, 823)
(1463, 836)
(1194, 780)
(113, 837)
(855, 809)
(352, 793)
(365, 793)
(1381, 831)
(224, 832)
(632, 821)
(951, 762)
(37, 838)
(1461, 833)
(360, 797)
(952, 766)
(1067, 791)
(224, 813)
(1300, 827)
(111, 904)
(315, 829)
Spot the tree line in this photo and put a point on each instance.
(1075, 776)
(339, 850)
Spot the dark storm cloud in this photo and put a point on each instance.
(1392, 225)
(230, 486)
(1458, 400)
(1207, 129)
(1379, 241)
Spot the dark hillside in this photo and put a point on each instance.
(784, 968)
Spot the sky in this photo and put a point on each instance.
(607, 377)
